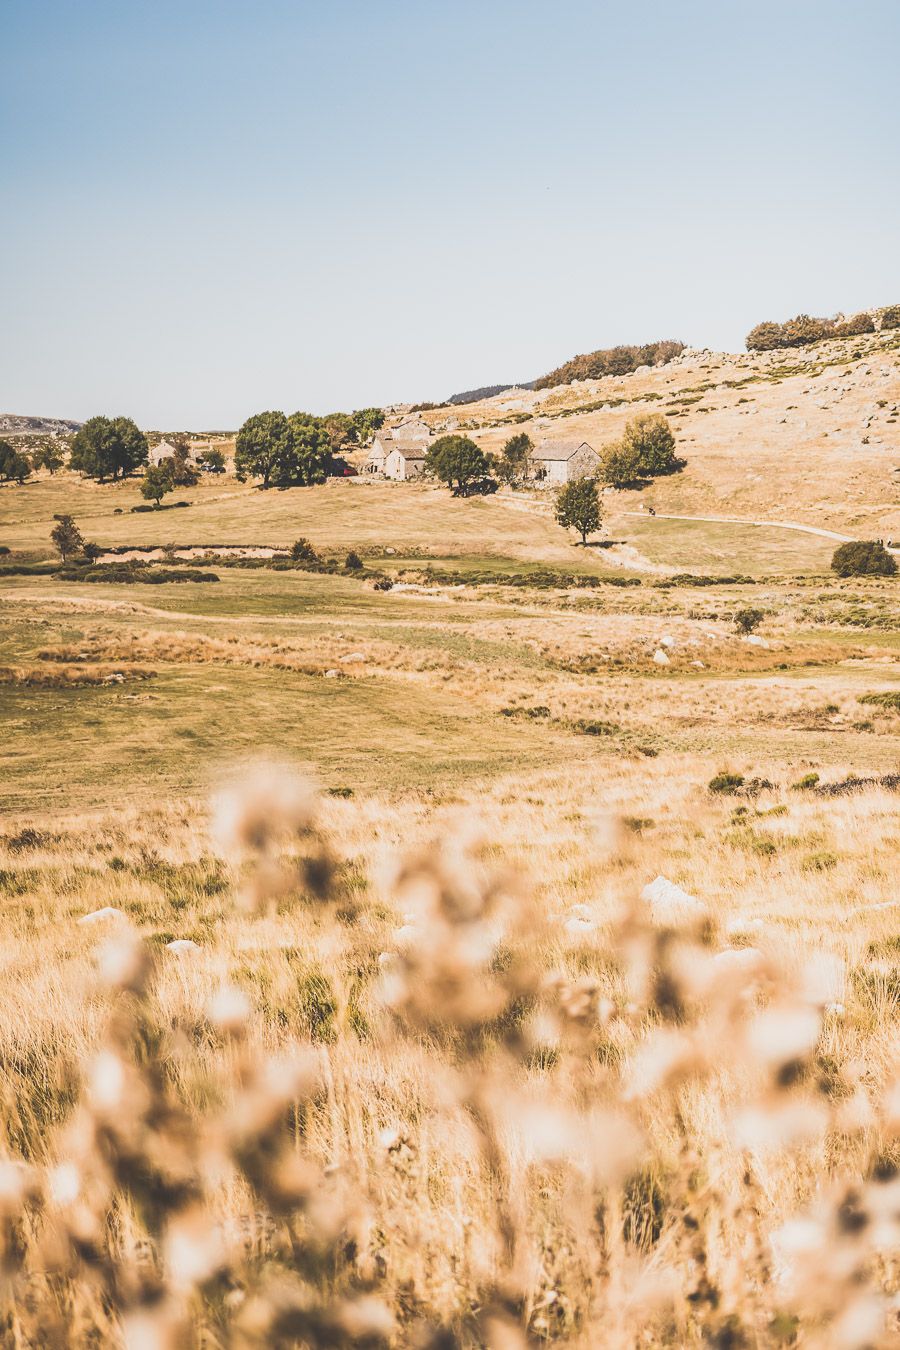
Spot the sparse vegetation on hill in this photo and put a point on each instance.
(610, 361)
(804, 330)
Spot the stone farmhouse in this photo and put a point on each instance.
(399, 452)
(556, 462)
(164, 450)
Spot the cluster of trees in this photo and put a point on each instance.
(804, 329)
(15, 466)
(646, 450)
(611, 361)
(109, 447)
(298, 450)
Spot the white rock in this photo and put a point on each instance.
(182, 945)
(353, 656)
(755, 641)
(669, 903)
(405, 935)
(699, 665)
(667, 641)
(660, 658)
(99, 915)
(576, 927)
(739, 927)
(332, 674)
(738, 959)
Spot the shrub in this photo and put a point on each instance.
(383, 584)
(746, 620)
(890, 700)
(765, 337)
(806, 783)
(726, 784)
(649, 441)
(863, 558)
(353, 562)
(303, 551)
(855, 326)
(890, 317)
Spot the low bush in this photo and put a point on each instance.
(725, 784)
(303, 551)
(127, 574)
(748, 619)
(890, 700)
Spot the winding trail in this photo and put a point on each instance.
(743, 520)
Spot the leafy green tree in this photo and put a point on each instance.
(341, 431)
(367, 421)
(263, 447)
(578, 507)
(650, 440)
(14, 467)
(157, 482)
(457, 461)
(309, 455)
(863, 558)
(179, 467)
(619, 467)
(109, 448)
(515, 460)
(67, 538)
(212, 459)
(47, 456)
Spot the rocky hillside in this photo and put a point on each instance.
(14, 425)
(812, 434)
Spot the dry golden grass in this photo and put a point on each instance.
(436, 1076)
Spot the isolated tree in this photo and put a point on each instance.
(863, 558)
(14, 467)
(309, 455)
(66, 537)
(156, 483)
(515, 460)
(47, 456)
(578, 507)
(458, 461)
(179, 467)
(649, 439)
(263, 447)
(748, 619)
(303, 551)
(109, 448)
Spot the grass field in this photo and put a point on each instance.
(432, 1074)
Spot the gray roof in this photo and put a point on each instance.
(560, 449)
(410, 451)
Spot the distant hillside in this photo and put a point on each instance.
(488, 391)
(611, 361)
(14, 425)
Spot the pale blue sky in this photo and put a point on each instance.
(212, 207)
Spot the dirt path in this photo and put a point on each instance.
(743, 520)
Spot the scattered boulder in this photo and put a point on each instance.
(660, 658)
(180, 945)
(102, 915)
(669, 904)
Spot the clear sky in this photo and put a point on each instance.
(211, 207)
